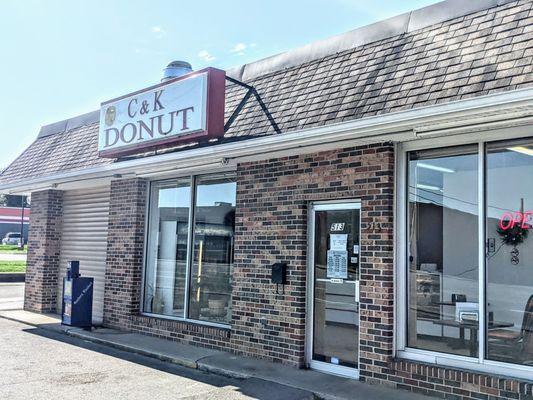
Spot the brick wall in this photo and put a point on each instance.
(272, 208)
(125, 250)
(183, 331)
(273, 199)
(42, 270)
(452, 383)
(272, 203)
(125, 247)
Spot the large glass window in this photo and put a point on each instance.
(442, 250)
(214, 224)
(510, 251)
(444, 283)
(188, 265)
(165, 275)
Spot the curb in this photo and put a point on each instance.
(8, 277)
(179, 361)
(316, 395)
(73, 332)
(227, 373)
(198, 365)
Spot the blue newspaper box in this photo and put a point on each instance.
(77, 298)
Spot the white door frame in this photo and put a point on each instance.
(312, 208)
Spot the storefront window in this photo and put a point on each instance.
(444, 245)
(188, 268)
(214, 225)
(164, 285)
(510, 251)
(443, 293)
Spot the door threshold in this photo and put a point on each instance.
(332, 369)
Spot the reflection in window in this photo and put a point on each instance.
(167, 248)
(214, 225)
(443, 250)
(510, 252)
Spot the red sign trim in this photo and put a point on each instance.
(215, 108)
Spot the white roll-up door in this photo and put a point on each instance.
(84, 238)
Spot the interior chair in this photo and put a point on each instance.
(458, 298)
(508, 345)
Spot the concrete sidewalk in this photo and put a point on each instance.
(321, 385)
(13, 256)
(11, 294)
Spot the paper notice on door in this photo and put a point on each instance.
(337, 266)
(338, 242)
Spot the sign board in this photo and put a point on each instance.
(338, 241)
(509, 220)
(180, 110)
(337, 264)
(337, 227)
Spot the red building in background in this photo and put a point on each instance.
(11, 219)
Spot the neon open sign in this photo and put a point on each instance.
(511, 219)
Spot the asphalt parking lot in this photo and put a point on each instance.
(39, 364)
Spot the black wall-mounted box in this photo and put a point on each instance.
(279, 273)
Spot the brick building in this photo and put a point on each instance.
(14, 219)
(382, 170)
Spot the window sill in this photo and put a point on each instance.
(509, 371)
(186, 321)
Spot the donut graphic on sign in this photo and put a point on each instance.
(110, 115)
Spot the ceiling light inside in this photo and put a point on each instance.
(428, 187)
(522, 150)
(435, 167)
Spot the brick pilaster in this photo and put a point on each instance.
(127, 213)
(42, 270)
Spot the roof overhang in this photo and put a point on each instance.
(512, 108)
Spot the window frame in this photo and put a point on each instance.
(401, 270)
(190, 240)
(476, 151)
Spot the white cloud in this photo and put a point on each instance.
(206, 56)
(238, 48)
(158, 32)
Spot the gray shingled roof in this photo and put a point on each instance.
(477, 54)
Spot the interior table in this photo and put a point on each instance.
(473, 327)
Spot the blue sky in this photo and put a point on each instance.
(59, 59)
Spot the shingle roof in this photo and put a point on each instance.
(472, 55)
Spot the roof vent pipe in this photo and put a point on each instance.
(176, 69)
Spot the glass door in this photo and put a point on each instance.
(334, 248)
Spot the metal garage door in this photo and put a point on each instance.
(84, 238)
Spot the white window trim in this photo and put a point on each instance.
(312, 207)
(401, 350)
